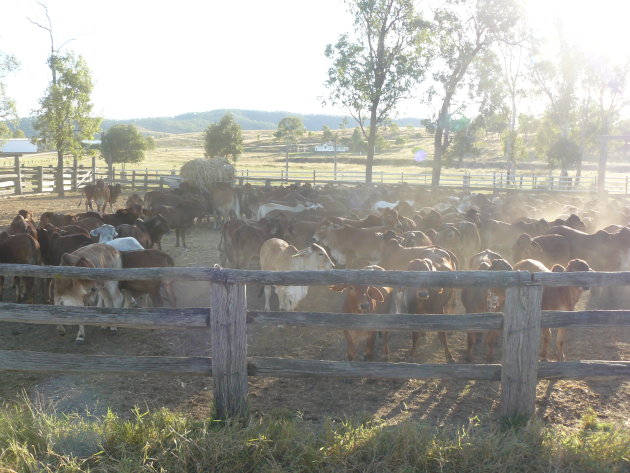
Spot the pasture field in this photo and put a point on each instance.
(265, 153)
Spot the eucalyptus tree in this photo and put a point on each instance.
(463, 30)
(64, 118)
(224, 138)
(123, 144)
(378, 65)
(290, 129)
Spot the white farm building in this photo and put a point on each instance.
(330, 148)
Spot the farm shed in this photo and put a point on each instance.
(330, 148)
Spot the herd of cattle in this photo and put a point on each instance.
(301, 227)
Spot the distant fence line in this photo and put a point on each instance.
(18, 180)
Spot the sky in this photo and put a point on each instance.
(153, 58)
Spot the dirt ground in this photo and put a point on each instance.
(433, 401)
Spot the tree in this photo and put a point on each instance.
(123, 144)
(463, 31)
(8, 113)
(64, 118)
(224, 138)
(357, 144)
(291, 129)
(377, 68)
(327, 134)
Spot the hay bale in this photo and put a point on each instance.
(201, 173)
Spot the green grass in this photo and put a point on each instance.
(36, 439)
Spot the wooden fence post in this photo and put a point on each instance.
(93, 168)
(521, 339)
(133, 180)
(74, 177)
(40, 179)
(146, 179)
(18, 176)
(229, 349)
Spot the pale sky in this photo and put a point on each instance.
(162, 58)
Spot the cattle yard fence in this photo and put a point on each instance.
(226, 321)
(18, 179)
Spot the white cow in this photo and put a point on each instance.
(107, 234)
(278, 255)
(264, 209)
(382, 204)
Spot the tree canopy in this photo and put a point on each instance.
(374, 69)
(224, 138)
(290, 129)
(123, 144)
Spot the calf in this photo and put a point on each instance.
(107, 234)
(97, 192)
(428, 301)
(150, 258)
(148, 232)
(114, 193)
(364, 299)
(75, 292)
(278, 255)
(181, 218)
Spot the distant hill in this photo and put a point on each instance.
(248, 119)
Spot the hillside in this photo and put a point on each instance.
(247, 119)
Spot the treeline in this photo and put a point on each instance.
(199, 121)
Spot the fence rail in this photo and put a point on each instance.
(226, 323)
(26, 180)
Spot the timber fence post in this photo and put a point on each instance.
(229, 349)
(18, 176)
(521, 339)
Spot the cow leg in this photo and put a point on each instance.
(177, 237)
(169, 293)
(184, 237)
(447, 352)
(546, 335)
(80, 340)
(369, 346)
(560, 335)
(471, 341)
(385, 349)
(415, 337)
(351, 348)
(491, 338)
(267, 297)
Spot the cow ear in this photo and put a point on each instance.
(338, 287)
(375, 294)
(68, 259)
(536, 245)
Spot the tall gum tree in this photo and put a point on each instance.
(8, 113)
(462, 30)
(378, 66)
(64, 118)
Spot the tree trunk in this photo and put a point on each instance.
(371, 144)
(59, 177)
(437, 158)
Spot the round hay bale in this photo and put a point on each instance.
(201, 173)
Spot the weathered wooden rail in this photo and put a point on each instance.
(520, 323)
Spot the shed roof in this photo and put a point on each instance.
(17, 146)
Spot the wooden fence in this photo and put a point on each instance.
(520, 323)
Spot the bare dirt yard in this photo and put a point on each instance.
(433, 401)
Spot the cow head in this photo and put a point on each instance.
(525, 248)
(313, 257)
(75, 292)
(360, 299)
(416, 298)
(104, 233)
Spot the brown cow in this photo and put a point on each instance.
(19, 249)
(364, 299)
(114, 193)
(22, 225)
(429, 301)
(133, 200)
(548, 249)
(97, 192)
(150, 258)
(56, 219)
(556, 298)
(350, 246)
(181, 218)
(76, 292)
(224, 201)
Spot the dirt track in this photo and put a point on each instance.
(434, 401)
